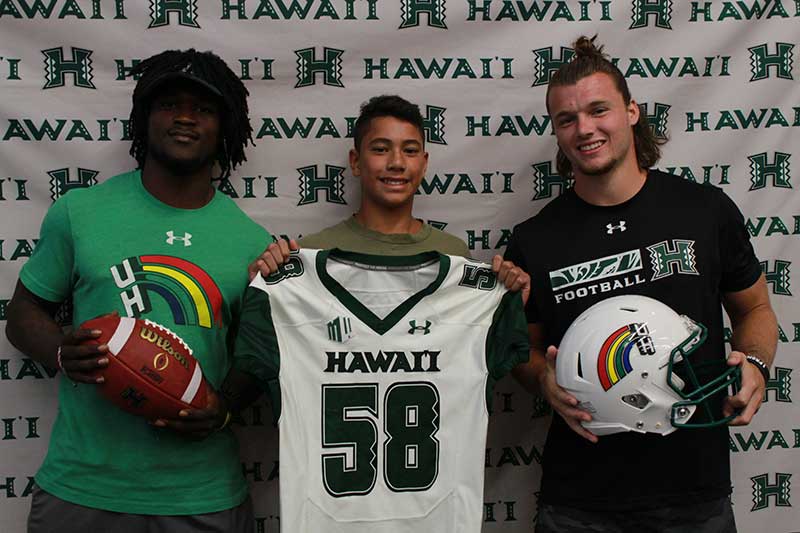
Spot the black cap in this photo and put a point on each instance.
(184, 70)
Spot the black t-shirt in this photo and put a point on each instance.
(681, 243)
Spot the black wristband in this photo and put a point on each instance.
(760, 365)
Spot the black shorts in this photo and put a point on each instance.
(715, 516)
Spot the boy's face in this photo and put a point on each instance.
(390, 163)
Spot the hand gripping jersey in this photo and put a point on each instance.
(380, 369)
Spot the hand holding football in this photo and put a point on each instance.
(151, 372)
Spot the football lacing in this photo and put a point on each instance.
(163, 328)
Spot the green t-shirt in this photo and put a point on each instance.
(351, 236)
(116, 247)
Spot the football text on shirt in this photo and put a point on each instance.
(603, 286)
(667, 258)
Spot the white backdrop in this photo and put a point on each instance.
(717, 76)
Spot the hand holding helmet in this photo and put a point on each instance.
(562, 402)
(628, 362)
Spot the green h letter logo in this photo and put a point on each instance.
(544, 65)
(658, 120)
(410, 11)
(311, 184)
(308, 66)
(544, 181)
(56, 67)
(763, 491)
(160, 10)
(778, 278)
(761, 61)
(644, 9)
(61, 183)
(781, 385)
(434, 124)
(778, 170)
(678, 252)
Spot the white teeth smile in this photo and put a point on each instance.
(587, 147)
(393, 182)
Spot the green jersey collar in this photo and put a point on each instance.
(377, 324)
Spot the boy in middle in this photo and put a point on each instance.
(389, 158)
(380, 357)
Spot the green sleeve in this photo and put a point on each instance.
(49, 271)
(507, 340)
(256, 349)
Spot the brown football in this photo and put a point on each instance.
(151, 372)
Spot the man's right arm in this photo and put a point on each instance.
(32, 329)
(538, 376)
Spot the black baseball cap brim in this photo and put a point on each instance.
(178, 76)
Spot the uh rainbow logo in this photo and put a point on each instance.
(190, 293)
(614, 360)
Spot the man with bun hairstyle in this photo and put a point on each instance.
(619, 204)
(139, 244)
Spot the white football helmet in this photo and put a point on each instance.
(621, 359)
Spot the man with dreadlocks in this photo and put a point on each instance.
(619, 205)
(103, 248)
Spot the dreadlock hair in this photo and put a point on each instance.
(235, 128)
(387, 105)
(590, 59)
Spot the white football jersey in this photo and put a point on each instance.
(380, 368)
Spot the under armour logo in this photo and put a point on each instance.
(611, 227)
(414, 327)
(171, 238)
